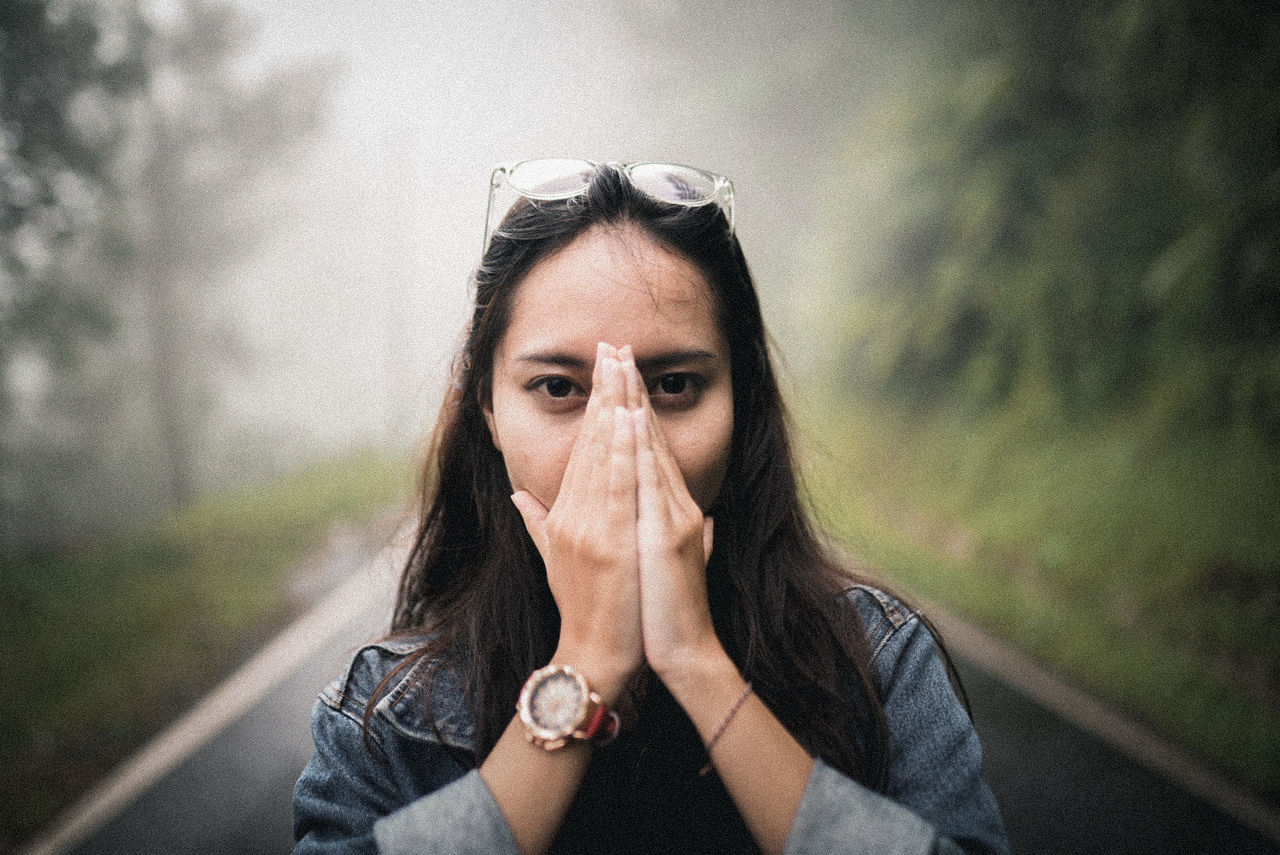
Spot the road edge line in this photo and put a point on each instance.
(217, 710)
(1090, 714)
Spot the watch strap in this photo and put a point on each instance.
(602, 724)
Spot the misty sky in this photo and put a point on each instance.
(353, 304)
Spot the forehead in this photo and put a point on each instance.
(613, 284)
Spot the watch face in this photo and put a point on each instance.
(555, 705)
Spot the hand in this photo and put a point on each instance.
(588, 537)
(674, 541)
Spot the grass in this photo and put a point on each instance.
(106, 642)
(1143, 566)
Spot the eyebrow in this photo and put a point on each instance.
(648, 365)
(663, 361)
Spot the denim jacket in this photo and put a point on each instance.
(413, 788)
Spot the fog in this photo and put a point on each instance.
(352, 303)
(1024, 255)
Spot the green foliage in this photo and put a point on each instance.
(1079, 201)
(1057, 401)
(1144, 568)
(105, 643)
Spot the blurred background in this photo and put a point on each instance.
(1021, 259)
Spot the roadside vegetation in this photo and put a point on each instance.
(107, 642)
(1141, 567)
(1052, 390)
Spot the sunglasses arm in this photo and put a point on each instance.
(495, 180)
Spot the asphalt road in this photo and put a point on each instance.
(1062, 790)
(233, 795)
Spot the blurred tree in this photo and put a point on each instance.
(63, 78)
(132, 138)
(1075, 204)
(211, 124)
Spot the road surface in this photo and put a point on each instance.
(1062, 790)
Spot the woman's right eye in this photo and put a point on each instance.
(556, 387)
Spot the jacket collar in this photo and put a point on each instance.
(427, 701)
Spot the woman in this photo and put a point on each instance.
(617, 630)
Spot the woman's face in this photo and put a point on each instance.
(613, 285)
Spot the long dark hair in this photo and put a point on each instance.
(475, 585)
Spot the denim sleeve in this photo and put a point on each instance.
(350, 798)
(935, 800)
(462, 818)
(341, 791)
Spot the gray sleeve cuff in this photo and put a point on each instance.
(460, 818)
(837, 814)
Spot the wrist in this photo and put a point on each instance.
(608, 676)
(697, 669)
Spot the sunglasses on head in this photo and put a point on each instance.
(554, 178)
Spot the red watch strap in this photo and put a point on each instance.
(603, 726)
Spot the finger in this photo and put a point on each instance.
(597, 446)
(648, 475)
(604, 352)
(633, 385)
(670, 479)
(660, 446)
(534, 514)
(580, 457)
(586, 461)
(647, 425)
(612, 387)
(622, 473)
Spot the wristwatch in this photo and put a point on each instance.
(556, 706)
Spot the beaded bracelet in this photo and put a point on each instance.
(733, 710)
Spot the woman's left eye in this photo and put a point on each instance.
(676, 389)
(558, 387)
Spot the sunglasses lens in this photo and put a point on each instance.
(681, 185)
(550, 178)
